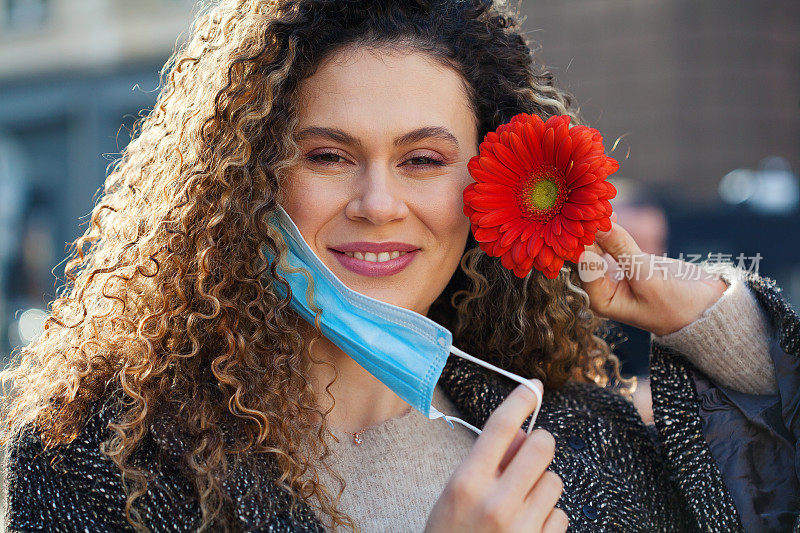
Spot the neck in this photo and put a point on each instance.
(359, 399)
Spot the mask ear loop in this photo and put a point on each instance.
(515, 377)
(570, 286)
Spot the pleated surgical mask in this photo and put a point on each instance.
(402, 348)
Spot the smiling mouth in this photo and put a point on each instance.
(375, 264)
(374, 257)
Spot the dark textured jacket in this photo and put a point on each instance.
(715, 460)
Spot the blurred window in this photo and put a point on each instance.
(23, 14)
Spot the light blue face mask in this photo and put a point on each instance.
(402, 348)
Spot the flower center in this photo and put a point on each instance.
(543, 193)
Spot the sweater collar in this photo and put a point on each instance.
(474, 392)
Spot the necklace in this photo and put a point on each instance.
(357, 435)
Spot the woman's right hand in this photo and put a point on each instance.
(503, 484)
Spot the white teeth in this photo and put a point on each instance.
(376, 258)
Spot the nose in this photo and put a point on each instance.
(378, 198)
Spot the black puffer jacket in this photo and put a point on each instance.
(716, 460)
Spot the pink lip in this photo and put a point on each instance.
(374, 247)
(369, 268)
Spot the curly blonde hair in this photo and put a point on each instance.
(170, 299)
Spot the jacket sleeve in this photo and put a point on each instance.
(72, 487)
(731, 452)
(729, 342)
(40, 495)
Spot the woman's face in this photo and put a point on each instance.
(385, 138)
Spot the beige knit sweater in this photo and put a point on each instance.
(394, 478)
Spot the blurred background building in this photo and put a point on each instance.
(74, 75)
(704, 96)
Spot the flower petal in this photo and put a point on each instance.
(533, 143)
(570, 211)
(563, 153)
(546, 256)
(535, 244)
(493, 189)
(518, 252)
(556, 265)
(549, 146)
(605, 207)
(517, 223)
(555, 121)
(507, 260)
(586, 179)
(611, 191)
(509, 237)
(469, 194)
(572, 226)
(520, 150)
(490, 202)
(482, 176)
(587, 239)
(495, 218)
(577, 170)
(579, 151)
(485, 234)
(502, 173)
(556, 223)
(567, 240)
(491, 137)
(530, 229)
(591, 226)
(508, 158)
(582, 196)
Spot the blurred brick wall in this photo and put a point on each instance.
(701, 88)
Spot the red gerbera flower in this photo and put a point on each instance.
(540, 194)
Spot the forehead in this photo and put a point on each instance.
(382, 86)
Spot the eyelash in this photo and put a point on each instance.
(433, 160)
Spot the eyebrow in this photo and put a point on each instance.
(335, 134)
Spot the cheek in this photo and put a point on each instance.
(308, 207)
(455, 207)
(448, 212)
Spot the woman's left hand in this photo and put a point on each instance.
(655, 293)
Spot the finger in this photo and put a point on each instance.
(519, 438)
(596, 270)
(593, 248)
(557, 522)
(622, 247)
(528, 465)
(617, 241)
(545, 494)
(501, 428)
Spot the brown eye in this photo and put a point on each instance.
(427, 160)
(325, 158)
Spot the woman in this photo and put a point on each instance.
(174, 389)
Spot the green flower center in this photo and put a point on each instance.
(544, 194)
